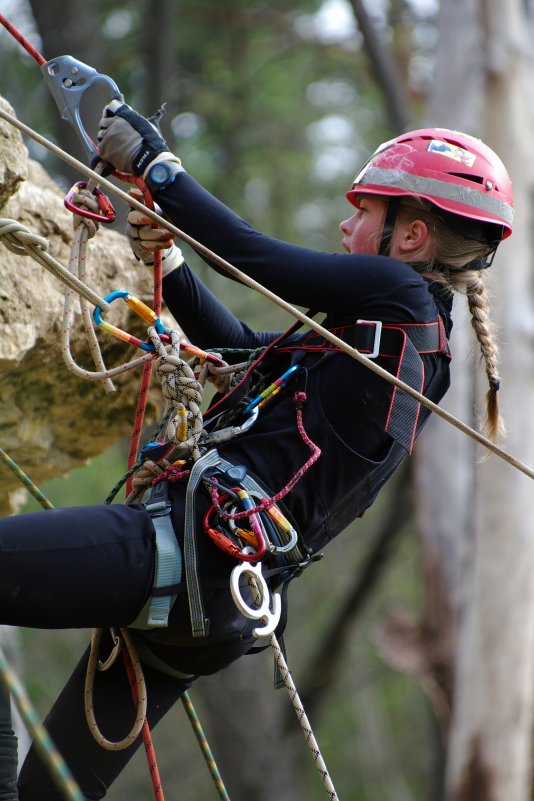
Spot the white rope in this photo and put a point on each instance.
(309, 736)
(84, 229)
(294, 697)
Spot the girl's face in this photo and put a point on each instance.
(362, 232)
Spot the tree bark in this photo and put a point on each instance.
(475, 514)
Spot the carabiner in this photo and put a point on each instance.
(282, 523)
(107, 212)
(226, 543)
(140, 308)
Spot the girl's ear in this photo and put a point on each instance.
(412, 236)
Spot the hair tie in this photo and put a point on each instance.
(494, 385)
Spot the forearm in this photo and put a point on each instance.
(297, 274)
(206, 322)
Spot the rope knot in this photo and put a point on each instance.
(19, 239)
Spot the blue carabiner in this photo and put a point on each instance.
(141, 309)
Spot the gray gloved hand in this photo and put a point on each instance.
(145, 240)
(128, 141)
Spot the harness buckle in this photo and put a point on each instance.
(378, 335)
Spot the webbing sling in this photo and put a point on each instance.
(402, 341)
(199, 623)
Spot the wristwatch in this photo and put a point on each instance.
(162, 174)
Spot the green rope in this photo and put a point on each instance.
(41, 738)
(26, 480)
(204, 746)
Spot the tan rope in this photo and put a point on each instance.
(84, 229)
(92, 667)
(296, 702)
(292, 310)
(20, 240)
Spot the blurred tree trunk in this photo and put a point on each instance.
(475, 516)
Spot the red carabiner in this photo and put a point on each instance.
(107, 212)
(226, 544)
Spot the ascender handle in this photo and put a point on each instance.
(68, 79)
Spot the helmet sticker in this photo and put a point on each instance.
(452, 152)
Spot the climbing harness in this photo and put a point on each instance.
(88, 203)
(402, 343)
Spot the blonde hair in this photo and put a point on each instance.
(450, 266)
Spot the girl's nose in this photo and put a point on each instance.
(344, 226)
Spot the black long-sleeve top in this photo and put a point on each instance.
(347, 405)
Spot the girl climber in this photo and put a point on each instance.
(430, 208)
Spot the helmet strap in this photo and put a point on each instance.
(389, 225)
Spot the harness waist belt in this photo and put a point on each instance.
(404, 342)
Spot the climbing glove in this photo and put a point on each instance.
(128, 141)
(144, 239)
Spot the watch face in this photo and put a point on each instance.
(159, 173)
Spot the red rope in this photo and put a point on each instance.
(146, 733)
(266, 503)
(147, 370)
(21, 40)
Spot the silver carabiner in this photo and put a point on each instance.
(224, 434)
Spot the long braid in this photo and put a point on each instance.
(477, 301)
(451, 265)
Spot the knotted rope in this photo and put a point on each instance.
(20, 240)
(183, 395)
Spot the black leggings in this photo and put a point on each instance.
(92, 567)
(93, 767)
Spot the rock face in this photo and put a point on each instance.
(51, 420)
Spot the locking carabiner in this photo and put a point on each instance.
(225, 542)
(107, 212)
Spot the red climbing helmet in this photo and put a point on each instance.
(454, 171)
